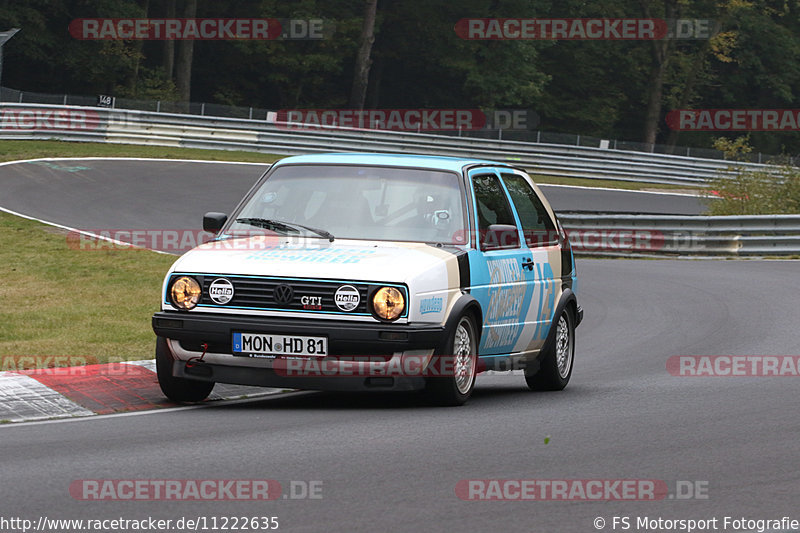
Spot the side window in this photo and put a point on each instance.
(537, 226)
(496, 225)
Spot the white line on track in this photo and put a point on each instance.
(82, 232)
(162, 160)
(89, 233)
(122, 243)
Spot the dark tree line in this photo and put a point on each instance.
(406, 54)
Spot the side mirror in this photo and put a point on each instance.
(213, 222)
(500, 236)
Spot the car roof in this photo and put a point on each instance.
(453, 164)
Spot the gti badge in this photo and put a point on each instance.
(311, 302)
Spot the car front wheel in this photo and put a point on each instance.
(557, 358)
(459, 365)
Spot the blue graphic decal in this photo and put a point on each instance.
(504, 291)
(430, 305)
(547, 306)
(329, 255)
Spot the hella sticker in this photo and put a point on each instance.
(221, 291)
(347, 298)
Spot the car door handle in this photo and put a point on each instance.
(527, 263)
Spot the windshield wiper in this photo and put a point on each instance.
(280, 225)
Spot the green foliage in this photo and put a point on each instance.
(734, 149)
(750, 192)
(151, 85)
(594, 87)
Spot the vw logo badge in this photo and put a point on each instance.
(284, 294)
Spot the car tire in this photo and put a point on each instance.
(557, 358)
(177, 389)
(461, 356)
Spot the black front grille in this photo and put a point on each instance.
(260, 293)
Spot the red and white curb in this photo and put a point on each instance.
(48, 393)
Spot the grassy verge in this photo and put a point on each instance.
(59, 301)
(611, 184)
(16, 150)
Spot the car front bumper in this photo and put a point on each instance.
(362, 356)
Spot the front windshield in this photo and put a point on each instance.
(360, 202)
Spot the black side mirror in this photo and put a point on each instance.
(500, 236)
(213, 222)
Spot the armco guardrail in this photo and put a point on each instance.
(28, 121)
(611, 234)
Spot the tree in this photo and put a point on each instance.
(168, 60)
(662, 50)
(183, 65)
(358, 94)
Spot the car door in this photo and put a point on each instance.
(541, 244)
(499, 279)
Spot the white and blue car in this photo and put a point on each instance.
(373, 272)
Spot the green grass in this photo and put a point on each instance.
(611, 184)
(59, 301)
(16, 150)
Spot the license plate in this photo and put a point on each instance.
(261, 345)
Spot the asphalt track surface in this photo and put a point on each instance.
(389, 463)
(155, 195)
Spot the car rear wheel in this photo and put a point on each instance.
(557, 358)
(460, 364)
(178, 389)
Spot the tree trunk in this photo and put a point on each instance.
(662, 50)
(137, 59)
(183, 64)
(374, 93)
(361, 72)
(653, 112)
(168, 60)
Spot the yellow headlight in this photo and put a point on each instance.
(388, 303)
(185, 292)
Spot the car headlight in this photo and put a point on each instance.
(388, 303)
(185, 293)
